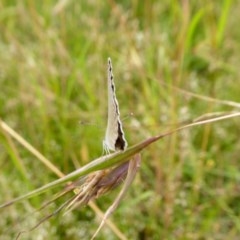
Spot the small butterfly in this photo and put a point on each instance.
(114, 136)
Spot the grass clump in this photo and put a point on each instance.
(53, 62)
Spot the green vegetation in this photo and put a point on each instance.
(53, 69)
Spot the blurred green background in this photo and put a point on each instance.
(53, 69)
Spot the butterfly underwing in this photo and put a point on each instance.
(114, 136)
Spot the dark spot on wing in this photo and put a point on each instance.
(120, 143)
(112, 85)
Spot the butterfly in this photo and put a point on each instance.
(114, 137)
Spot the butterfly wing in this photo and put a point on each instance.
(114, 136)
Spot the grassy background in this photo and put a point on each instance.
(53, 61)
